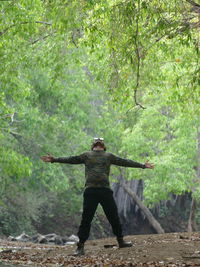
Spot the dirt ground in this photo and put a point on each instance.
(174, 249)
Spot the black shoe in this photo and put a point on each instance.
(123, 244)
(80, 250)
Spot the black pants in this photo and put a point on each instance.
(92, 197)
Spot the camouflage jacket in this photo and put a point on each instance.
(97, 166)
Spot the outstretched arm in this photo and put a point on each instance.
(71, 160)
(130, 163)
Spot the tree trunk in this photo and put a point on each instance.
(154, 223)
(192, 226)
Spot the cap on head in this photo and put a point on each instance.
(98, 141)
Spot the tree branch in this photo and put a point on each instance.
(21, 23)
(138, 59)
(42, 38)
(197, 6)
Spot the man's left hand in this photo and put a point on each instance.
(149, 165)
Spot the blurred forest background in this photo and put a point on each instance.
(124, 70)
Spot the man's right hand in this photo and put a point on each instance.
(48, 158)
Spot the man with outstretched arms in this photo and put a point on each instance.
(97, 188)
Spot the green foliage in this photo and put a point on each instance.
(149, 49)
(169, 140)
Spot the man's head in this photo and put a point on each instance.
(98, 142)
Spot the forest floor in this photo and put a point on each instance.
(166, 250)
